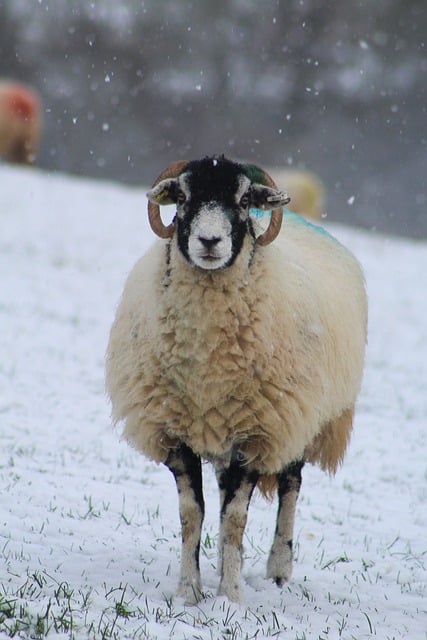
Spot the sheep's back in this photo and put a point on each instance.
(333, 279)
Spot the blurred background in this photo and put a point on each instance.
(339, 88)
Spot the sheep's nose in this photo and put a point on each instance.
(209, 243)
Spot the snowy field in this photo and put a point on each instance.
(89, 530)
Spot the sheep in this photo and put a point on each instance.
(305, 188)
(230, 348)
(20, 122)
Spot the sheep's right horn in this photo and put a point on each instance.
(163, 231)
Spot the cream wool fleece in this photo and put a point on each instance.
(266, 354)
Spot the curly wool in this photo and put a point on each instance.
(266, 355)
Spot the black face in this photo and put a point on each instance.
(206, 237)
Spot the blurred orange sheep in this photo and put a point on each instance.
(20, 122)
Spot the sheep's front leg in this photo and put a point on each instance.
(236, 485)
(186, 468)
(279, 565)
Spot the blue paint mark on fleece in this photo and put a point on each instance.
(297, 218)
(259, 213)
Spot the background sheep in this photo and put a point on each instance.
(305, 188)
(20, 122)
(229, 348)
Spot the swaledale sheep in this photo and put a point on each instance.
(20, 122)
(231, 349)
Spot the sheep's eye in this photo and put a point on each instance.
(181, 197)
(244, 201)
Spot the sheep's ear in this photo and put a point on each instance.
(267, 198)
(164, 192)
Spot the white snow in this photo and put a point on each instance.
(89, 530)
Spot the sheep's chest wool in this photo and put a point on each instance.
(214, 349)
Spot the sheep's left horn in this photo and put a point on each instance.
(273, 228)
(156, 223)
(256, 174)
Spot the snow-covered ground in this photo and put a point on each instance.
(89, 530)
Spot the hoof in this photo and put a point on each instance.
(232, 592)
(279, 569)
(191, 593)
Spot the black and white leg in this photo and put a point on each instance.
(218, 472)
(236, 485)
(279, 565)
(186, 468)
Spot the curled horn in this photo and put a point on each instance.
(163, 231)
(273, 228)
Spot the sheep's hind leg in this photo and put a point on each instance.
(279, 565)
(186, 468)
(236, 484)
